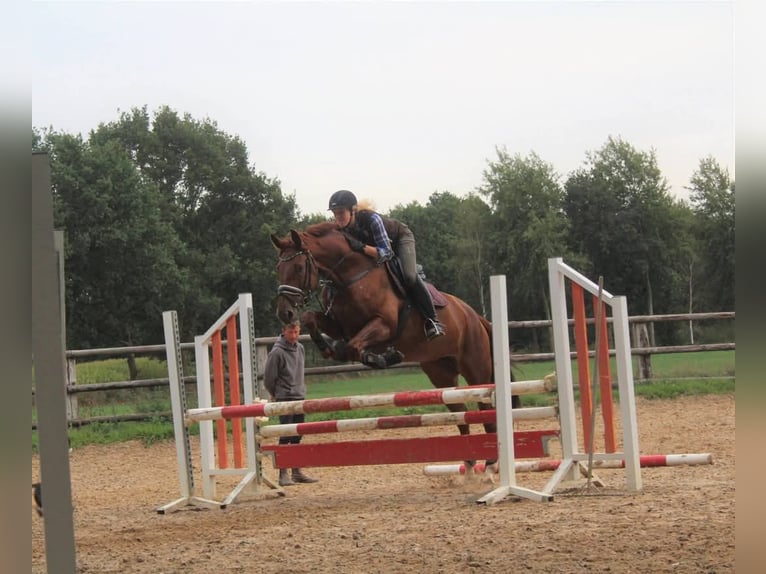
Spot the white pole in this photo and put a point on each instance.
(246, 336)
(204, 399)
(502, 366)
(563, 361)
(178, 406)
(627, 394)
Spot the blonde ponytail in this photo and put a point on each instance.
(366, 204)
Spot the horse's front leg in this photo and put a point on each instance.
(317, 324)
(375, 332)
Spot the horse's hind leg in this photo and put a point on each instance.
(479, 372)
(443, 373)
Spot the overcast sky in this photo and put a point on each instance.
(398, 100)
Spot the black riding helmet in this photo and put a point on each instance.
(342, 198)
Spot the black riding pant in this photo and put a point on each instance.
(405, 250)
(291, 420)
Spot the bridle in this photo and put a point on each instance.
(304, 293)
(300, 296)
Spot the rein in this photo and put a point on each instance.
(331, 274)
(354, 279)
(291, 291)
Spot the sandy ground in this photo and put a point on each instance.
(394, 519)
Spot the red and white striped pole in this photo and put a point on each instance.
(378, 423)
(648, 460)
(453, 395)
(401, 421)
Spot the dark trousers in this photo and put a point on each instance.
(405, 251)
(290, 420)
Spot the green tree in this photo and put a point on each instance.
(624, 221)
(472, 264)
(451, 243)
(175, 200)
(221, 207)
(435, 235)
(528, 226)
(310, 218)
(120, 256)
(712, 200)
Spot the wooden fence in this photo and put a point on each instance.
(639, 349)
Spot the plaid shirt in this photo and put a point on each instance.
(380, 237)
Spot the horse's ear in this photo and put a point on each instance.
(276, 241)
(296, 238)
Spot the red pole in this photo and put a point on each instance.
(583, 361)
(605, 382)
(220, 399)
(234, 395)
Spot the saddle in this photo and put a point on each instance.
(397, 280)
(390, 356)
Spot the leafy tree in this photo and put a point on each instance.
(308, 219)
(451, 242)
(231, 230)
(120, 256)
(222, 209)
(712, 199)
(472, 265)
(436, 236)
(169, 196)
(623, 220)
(528, 226)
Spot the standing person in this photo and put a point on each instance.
(283, 378)
(382, 238)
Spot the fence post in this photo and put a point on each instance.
(261, 354)
(72, 410)
(641, 341)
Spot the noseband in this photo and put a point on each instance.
(291, 292)
(298, 296)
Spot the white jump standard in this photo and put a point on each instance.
(505, 446)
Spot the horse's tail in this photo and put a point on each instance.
(488, 328)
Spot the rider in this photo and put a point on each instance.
(382, 238)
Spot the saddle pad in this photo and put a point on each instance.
(438, 297)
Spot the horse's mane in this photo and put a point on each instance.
(321, 229)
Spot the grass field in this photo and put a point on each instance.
(675, 374)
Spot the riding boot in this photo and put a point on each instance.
(284, 477)
(433, 328)
(298, 476)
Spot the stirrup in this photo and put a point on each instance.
(433, 329)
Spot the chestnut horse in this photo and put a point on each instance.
(364, 318)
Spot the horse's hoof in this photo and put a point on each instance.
(393, 357)
(340, 351)
(373, 360)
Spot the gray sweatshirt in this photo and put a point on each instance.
(283, 375)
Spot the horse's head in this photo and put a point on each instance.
(297, 273)
(321, 251)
